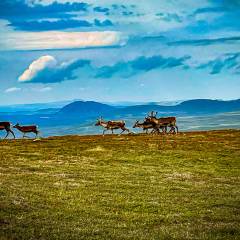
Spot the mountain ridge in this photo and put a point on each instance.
(195, 106)
(80, 112)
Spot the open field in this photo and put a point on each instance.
(129, 187)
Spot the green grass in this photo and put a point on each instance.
(128, 187)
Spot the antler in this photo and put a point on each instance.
(152, 114)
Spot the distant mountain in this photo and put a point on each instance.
(81, 109)
(128, 103)
(86, 109)
(193, 107)
(33, 107)
(208, 106)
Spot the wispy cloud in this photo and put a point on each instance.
(203, 42)
(140, 64)
(11, 8)
(12, 90)
(43, 25)
(227, 62)
(43, 89)
(101, 9)
(59, 40)
(168, 17)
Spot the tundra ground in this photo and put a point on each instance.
(184, 186)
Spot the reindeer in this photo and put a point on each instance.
(145, 126)
(111, 125)
(7, 127)
(27, 129)
(163, 122)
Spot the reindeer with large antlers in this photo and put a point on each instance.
(7, 127)
(163, 122)
(111, 125)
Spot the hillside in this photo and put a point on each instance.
(183, 186)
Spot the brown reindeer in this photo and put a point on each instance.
(27, 129)
(111, 125)
(145, 126)
(163, 122)
(7, 127)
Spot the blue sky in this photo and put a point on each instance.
(112, 50)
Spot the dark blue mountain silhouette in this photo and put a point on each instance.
(194, 107)
(208, 106)
(87, 111)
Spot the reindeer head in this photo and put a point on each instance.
(151, 116)
(99, 121)
(16, 126)
(136, 124)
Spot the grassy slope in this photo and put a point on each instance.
(128, 187)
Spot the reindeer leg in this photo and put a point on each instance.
(154, 130)
(112, 131)
(170, 131)
(104, 130)
(176, 128)
(121, 131)
(173, 129)
(12, 133)
(7, 134)
(36, 134)
(165, 129)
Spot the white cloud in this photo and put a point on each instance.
(47, 69)
(37, 66)
(12, 89)
(19, 40)
(44, 89)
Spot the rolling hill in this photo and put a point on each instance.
(86, 109)
(193, 107)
